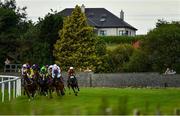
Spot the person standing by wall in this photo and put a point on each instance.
(7, 61)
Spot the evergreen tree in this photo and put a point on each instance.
(77, 44)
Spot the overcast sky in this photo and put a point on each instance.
(142, 14)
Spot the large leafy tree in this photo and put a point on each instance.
(48, 32)
(77, 43)
(41, 37)
(12, 25)
(12, 20)
(163, 46)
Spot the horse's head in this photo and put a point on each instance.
(43, 76)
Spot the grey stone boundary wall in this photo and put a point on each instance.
(153, 79)
(128, 80)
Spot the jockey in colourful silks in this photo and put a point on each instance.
(23, 69)
(56, 71)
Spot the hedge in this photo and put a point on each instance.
(121, 39)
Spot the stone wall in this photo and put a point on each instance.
(125, 79)
(128, 80)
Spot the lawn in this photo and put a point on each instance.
(99, 101)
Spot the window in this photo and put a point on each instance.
(103, 32)
(126, 33)
(121, 32)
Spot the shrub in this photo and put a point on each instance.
(121, 39)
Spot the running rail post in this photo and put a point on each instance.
(14, 89)
(19, 84)
(18, 87)
(2, 91)
(9, 89)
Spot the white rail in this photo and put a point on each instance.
(11, 80)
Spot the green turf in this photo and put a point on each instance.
(99, 101)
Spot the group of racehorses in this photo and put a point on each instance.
(43, 84)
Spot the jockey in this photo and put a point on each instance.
(50, 70)
(24, 69)
(34, 70)
(29, 71)
(44, 71)
(56, 73)
(35, 67)
(71, 72)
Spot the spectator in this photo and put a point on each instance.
(170, 71)
(7, 61)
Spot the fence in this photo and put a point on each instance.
(12, 67)
(13, 83)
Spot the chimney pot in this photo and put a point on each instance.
(83, 8)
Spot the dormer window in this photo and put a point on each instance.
(103, 19)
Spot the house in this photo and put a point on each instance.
(104, 22)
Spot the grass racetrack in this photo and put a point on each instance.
(98, 101)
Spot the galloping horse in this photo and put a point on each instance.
(29, 87)
(43, 83)
(72, 83)
(36, 79)
(59, 85)
(50, 85)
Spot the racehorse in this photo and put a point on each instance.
(73, 83)
(36, 79)
(59, 85)
(29, 87)
(50, 85)
(43, 83)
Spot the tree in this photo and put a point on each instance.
(163, 46)
(138, 62)
(119, 56)
(12, 25)
(48, 31)
(76, 46)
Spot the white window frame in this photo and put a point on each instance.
(103, 32)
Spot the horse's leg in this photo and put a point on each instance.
(33, 93)
(57, 91)
(46, 89)
(77, 86)
(50, 92)
(27, 93)
(73, 88)
(24, 91)
(69, 88)
(62, 89)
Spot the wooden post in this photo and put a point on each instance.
(90, 78)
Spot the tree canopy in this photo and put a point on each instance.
(163, 46)
(77, 43)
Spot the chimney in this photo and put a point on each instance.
(83, 8)
(122, 15)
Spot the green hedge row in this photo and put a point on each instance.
(121, 39)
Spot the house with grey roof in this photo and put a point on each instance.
(104, 22)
